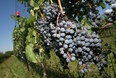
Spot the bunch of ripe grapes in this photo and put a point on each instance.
(70, 40)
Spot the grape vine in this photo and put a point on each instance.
(67, 27)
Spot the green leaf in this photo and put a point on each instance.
(32, 3)
(85, 22)
(102, 4)
(37, 5)
(31, 56)
(30, 20)
(22, 29)
(34, 33)
(36, 8)
(41, 50)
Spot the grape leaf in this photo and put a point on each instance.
(31, 56)
(102, 4)
(32, 3)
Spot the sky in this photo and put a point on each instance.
(8, 8)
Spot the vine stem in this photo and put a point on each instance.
(27, 63)
(107, 25)
(60, 5)
(44, 68)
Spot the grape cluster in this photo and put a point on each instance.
(70, 40)
(110, 1)
(44, 30)
(95, 19)
(51, 11)
(91, 12)
(111, 13)
(45, 24)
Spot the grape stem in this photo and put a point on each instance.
(41, 14)
(51, 1)
(58, 18)
(60, 5)
(68, 55)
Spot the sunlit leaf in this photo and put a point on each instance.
(30, 54)
(32, 3)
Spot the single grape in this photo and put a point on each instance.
(82, 71)
(58, 35)
(65, 46)
(71, 31)
(64, 55)
(91, 40)
(68, 60)
(70, 49)
(62, 34)
(62, 29)
(80, 63)
(71, 45)
(61, 49)
(108, 11)
(72, 54)
(89, 56)
(61, 39)
(61, 52)
(73, 58)
(113, 5)
(79, 49)
(82, 37)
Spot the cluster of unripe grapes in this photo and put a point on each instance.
(70, 40)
